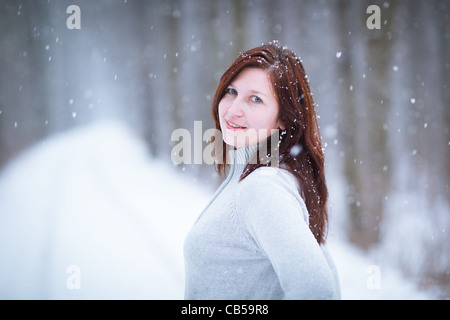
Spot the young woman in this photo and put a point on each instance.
(262, 236)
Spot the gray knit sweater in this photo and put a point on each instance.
(252, 241)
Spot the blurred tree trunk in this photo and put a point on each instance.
(24, 97)
(143, 27)
(173, 27)
(240, 15)
(429, 135)
(364, 108)
(444, 31)
(375, 152)
(348, 121)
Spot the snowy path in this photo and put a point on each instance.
(87, 216)
(366, 278)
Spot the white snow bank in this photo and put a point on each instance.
(88, 208)
(87, 215)
(363, 277)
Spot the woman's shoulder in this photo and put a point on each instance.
(270, 187)
(271, 176)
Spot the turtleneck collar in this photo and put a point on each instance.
(243, 155)
(241, 158)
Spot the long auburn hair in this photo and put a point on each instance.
(300, 147)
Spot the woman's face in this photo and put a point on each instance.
(249, 109)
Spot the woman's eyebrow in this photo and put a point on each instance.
(256, 92)
(251, 91)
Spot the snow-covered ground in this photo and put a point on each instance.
(89, 215)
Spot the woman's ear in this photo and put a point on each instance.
(281, 125)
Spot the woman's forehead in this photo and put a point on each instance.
(253, 76)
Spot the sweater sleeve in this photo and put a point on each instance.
(274, 217)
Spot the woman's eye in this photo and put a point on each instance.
(256, 99)
(232, 91)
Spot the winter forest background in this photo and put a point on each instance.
(382, 94)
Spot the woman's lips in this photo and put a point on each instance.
(232, 126)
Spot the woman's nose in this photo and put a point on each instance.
(236, 108)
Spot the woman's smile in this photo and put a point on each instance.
(232, 126)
